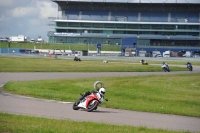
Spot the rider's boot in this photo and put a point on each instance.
(82, 97)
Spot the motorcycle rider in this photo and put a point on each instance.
(188, 64)
(77, 58)
(164, 63)
(143, 61)
(100, 91)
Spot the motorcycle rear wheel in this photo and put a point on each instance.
(92, 106)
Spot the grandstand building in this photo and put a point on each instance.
(158, 25)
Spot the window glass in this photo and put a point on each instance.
(73, 24)
(109, 26)
(85, 25)
(132, 26)
(144, 26)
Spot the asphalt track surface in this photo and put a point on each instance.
(15, 104)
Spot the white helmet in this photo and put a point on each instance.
(102, 91)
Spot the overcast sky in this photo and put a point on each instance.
(26, 17)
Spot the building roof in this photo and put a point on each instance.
(135, 1)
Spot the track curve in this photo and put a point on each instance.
(62, 110)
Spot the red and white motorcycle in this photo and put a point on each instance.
(91, 102)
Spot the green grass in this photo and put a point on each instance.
(104, 47)
(167, 94)
(27, 124)
(17, 64)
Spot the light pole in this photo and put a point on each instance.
(135, 53)
(88, 46)
(0, 47)
(9, 46)
(41, 45)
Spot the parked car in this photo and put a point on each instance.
(158, 55)
(196, 55)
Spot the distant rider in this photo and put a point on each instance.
(164, 63)
(143, 61)
(188, 64)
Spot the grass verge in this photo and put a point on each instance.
(26, 124)
(16, 64)
(63, 46)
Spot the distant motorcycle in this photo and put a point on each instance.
(165, 67)
(143, 62)
(189, 66)
(77, 59)
(105, 61)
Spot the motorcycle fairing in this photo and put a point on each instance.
(189, 65)
(163, 66)
(84, 103)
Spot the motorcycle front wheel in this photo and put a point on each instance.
(75, 107)
(92, 106)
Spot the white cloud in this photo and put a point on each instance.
(2, 18)
(23, 11)
(35, 21)
(46, 9)
(6, 3)
(26, 17)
